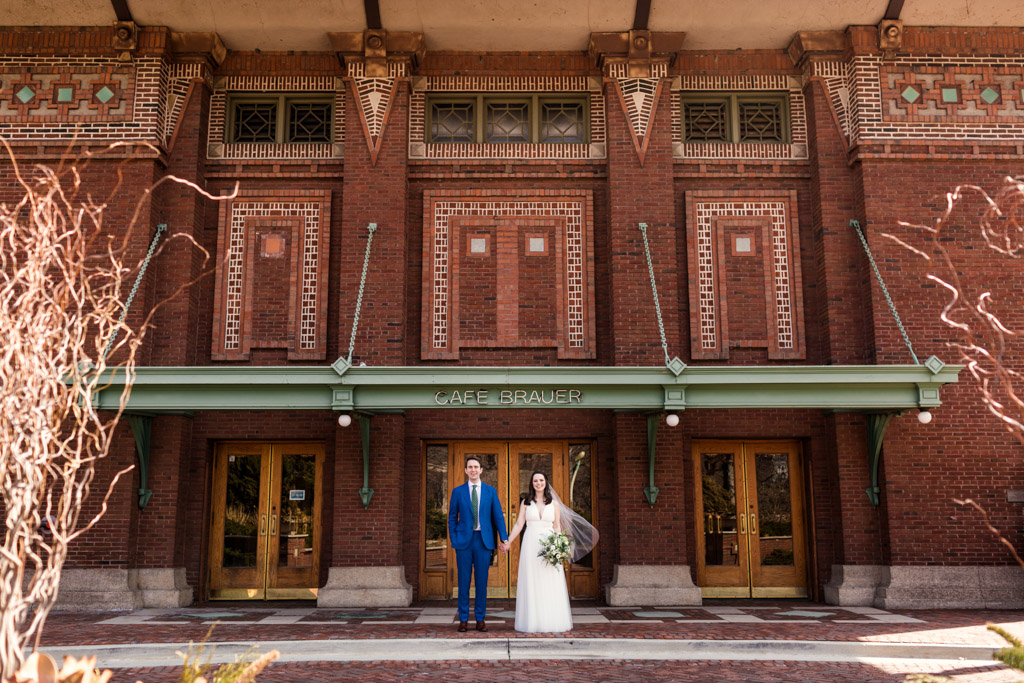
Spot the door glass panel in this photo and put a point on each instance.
(241, 511)
(774, 509)
(721, 545)
(580, 498)
(295, 540)
(437, 507)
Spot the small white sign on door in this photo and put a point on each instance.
(297, 494)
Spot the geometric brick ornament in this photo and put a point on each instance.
(508, 269)
(639, 99)
(744, 273)
(271, 286)
(374, 96)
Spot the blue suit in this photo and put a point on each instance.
(473, 548)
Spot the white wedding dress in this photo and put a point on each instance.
(542, 598)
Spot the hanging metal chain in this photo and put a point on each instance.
(160, 228)
(372, 227)
(888, 299)
(654, 289)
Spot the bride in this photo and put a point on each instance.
(542, 598)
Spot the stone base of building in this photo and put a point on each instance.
(926, 587)
(853, 585)
(653, 586)
(122, 589)
(365, 587)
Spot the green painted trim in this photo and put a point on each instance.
(142, 429)
(870, 388)
(877, 424)
(651, 491)
(365, 493)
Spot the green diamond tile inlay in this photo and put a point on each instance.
(990, 95)
(25, 94)
(910, 94)
(950, 95)
(65, 94)
(104, 94)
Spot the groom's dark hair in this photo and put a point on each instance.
(473, 457)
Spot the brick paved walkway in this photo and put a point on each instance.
(782, 621)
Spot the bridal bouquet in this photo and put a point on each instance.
(556, 549)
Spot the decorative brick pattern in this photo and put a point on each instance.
(395, 69)
(305, 216)
(836, 79)
(621, 70)
(419, 148)
(218, 148)
(176, 79)
(374, 96)
(571, 214)
(639, 98)
(43, 98)
(796, 149)
(976, 98)
(708, 214)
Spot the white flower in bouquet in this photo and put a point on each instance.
(556, 549)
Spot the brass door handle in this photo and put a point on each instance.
(753, 524)
(742, 524)
(263, 525)
(273, 525)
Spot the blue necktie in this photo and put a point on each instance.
(476, 508)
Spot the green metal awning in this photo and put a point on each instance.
(867, 388)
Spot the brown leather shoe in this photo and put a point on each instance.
(463, 626)
(481, 626)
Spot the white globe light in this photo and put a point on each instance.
(672, 419)
(924, 417)
(344, 419)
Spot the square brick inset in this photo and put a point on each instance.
(712, 218)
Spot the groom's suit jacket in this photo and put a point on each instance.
(460, 517)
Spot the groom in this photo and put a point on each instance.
(474, 516)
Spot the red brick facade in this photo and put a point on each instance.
(533, 257)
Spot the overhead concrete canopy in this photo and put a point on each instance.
(508, 25)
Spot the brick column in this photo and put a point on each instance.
(366, 560)
(651, 567)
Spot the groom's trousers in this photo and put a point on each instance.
(476, 559)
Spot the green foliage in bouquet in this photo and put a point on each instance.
(556, 549)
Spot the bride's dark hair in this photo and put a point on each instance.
(529, 495)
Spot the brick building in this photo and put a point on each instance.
(445, 241)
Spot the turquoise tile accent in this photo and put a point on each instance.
(25, 94)
(104, 94)
(910, 94)
(65, 94)
(990, 95)
(950, 95)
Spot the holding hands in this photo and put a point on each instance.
(505, 545)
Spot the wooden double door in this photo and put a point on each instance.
(265, 531)
(751, 539)
(508, 467)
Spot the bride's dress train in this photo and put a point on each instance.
(542, 598)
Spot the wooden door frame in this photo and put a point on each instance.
(797, 481)
(215, 522)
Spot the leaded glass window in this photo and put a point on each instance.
(508, 122)
(706, 121)
(309, 122)
(524, 118)
(761, 122)
(284, 118)
(562, 122)
(255, 122)
(735, 117)
(452, 122)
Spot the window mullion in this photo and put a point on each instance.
(534, 115)
(481, 119)
(282, 123)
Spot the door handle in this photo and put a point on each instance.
(753, 524)
(742, 524)
(273, 524)
(263, 525)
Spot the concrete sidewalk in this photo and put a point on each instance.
(745, 640)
